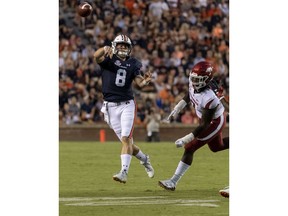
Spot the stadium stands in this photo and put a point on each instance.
(169, 37)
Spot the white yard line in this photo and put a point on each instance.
(64, 199)
(146, 200)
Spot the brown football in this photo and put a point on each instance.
(84, 9)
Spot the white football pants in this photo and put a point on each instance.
(120, 117)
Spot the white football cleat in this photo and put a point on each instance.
(167, 184)
(148, 167)
(225, 192)
(120, 177)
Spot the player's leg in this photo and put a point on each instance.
(126, 157)
(213, 135)
(183, 165)
(125, 164)
(214, 130)
(125, 126)
(144, 160)
(219, 144)
(126, 150)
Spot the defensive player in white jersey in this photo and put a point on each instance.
(210, 111)
(118, 71)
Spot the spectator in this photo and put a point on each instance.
(198, 58)
(87, 110)
(152, 121)
(157, 8)
(74, 111)
(189, 117)
(217, 31)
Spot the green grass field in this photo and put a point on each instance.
(87, 189)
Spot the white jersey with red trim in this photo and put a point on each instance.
(205, 99)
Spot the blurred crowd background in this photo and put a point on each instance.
(169, 37)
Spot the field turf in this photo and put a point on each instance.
(86, 187)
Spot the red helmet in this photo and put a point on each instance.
(201, 74)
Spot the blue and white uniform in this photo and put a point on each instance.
(119, 107)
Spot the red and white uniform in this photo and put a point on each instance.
(207, 99)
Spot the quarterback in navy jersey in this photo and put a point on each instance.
(118, 71)
(209, 110)
(117, 77)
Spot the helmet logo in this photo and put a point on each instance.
(209, 69)
(124, 38)
(194, 74)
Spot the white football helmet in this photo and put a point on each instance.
(123, 53)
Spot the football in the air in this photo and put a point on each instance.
(84, 9)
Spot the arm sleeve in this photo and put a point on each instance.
(138, 66)
(105, 63)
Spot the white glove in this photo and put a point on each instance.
(177, 109)
(184, 140)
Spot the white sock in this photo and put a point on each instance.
(141, 156)
(180, 171)
(125, 162)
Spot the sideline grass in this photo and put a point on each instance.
(87, 189)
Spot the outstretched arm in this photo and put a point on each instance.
(181, 104)
(101, 53)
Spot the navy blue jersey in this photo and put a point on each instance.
(117, 77)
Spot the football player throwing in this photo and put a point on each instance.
(118, 71)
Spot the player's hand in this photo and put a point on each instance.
(173, 113)
(108, 51)
(184, 140)
(148, 77)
